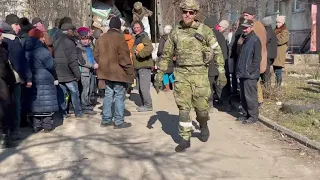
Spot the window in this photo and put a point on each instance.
(297, 6)
(276, 6)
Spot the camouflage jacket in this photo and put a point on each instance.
(193, 56)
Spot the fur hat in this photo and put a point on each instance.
(224, 24)
(281, 19)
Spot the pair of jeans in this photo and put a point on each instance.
(278, 72)
(115, 93)
(143, 85)
(168, 78)
(87, 90)
(17, 97)
(73, 88)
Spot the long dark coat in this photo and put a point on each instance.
(42, 96)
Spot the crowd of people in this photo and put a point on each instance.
(45, 71)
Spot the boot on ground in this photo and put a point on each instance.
(183, 145)
(6, 142)
(205, 133)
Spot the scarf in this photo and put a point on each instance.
(279, 30)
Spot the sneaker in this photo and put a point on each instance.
(123, 125)
(106, 124)
(183, 145)
(80, 116)
(144, 109)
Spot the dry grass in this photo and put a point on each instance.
(297, 91)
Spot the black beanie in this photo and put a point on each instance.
(250, 10)
(12, 19)
(115, 23)
(211, 21)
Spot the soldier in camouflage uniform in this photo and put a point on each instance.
(195, 46)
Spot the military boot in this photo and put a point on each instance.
(6, 142)
(183, 145)
(205, 133)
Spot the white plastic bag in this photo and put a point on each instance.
(145, 22)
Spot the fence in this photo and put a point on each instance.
(297, 37)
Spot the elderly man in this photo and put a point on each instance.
(248, 71)
(223, 26)
(250, 14)
(67, 68)
(195, 45)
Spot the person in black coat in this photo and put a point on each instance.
(42, 96)
(7, 113)
(248, 72)
(67, 68)
(272, 45)
(20, 66)
(217, 90)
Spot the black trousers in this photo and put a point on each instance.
(249, 97)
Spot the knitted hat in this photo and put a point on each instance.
(67, 26)
(115, 23)
(12, 19)
(250, 10)
(267, 21)
(36, 20)
(36, 33)
(224, 24)
(281, 19)
(83, 31)
(137, 5)
(211, 21)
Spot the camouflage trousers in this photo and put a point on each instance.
(191, 91)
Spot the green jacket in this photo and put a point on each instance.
(142, 60)
(193, 56)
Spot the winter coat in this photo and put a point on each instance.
(271, 43)
(213, 70)
(248, 65)
(6, 79)
(16, 56)
(42, 96)
(84, 63)
(113, 58)
(66, 57)
(142, 60)
(283, 39)
(260, 31)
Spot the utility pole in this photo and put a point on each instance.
(89, 13)
(159, 16)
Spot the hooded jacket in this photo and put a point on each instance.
(16, 54)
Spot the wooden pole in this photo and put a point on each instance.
(159, 17)
(313, 45)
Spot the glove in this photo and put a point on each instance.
(56, 82)
(158, 82)
(222, 80)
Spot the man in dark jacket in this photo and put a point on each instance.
(7, 80)
(26, 26)
(67, 68)
(115, 70)
(272, 44)
(20, 66)
(248, 71)
(217, 81)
